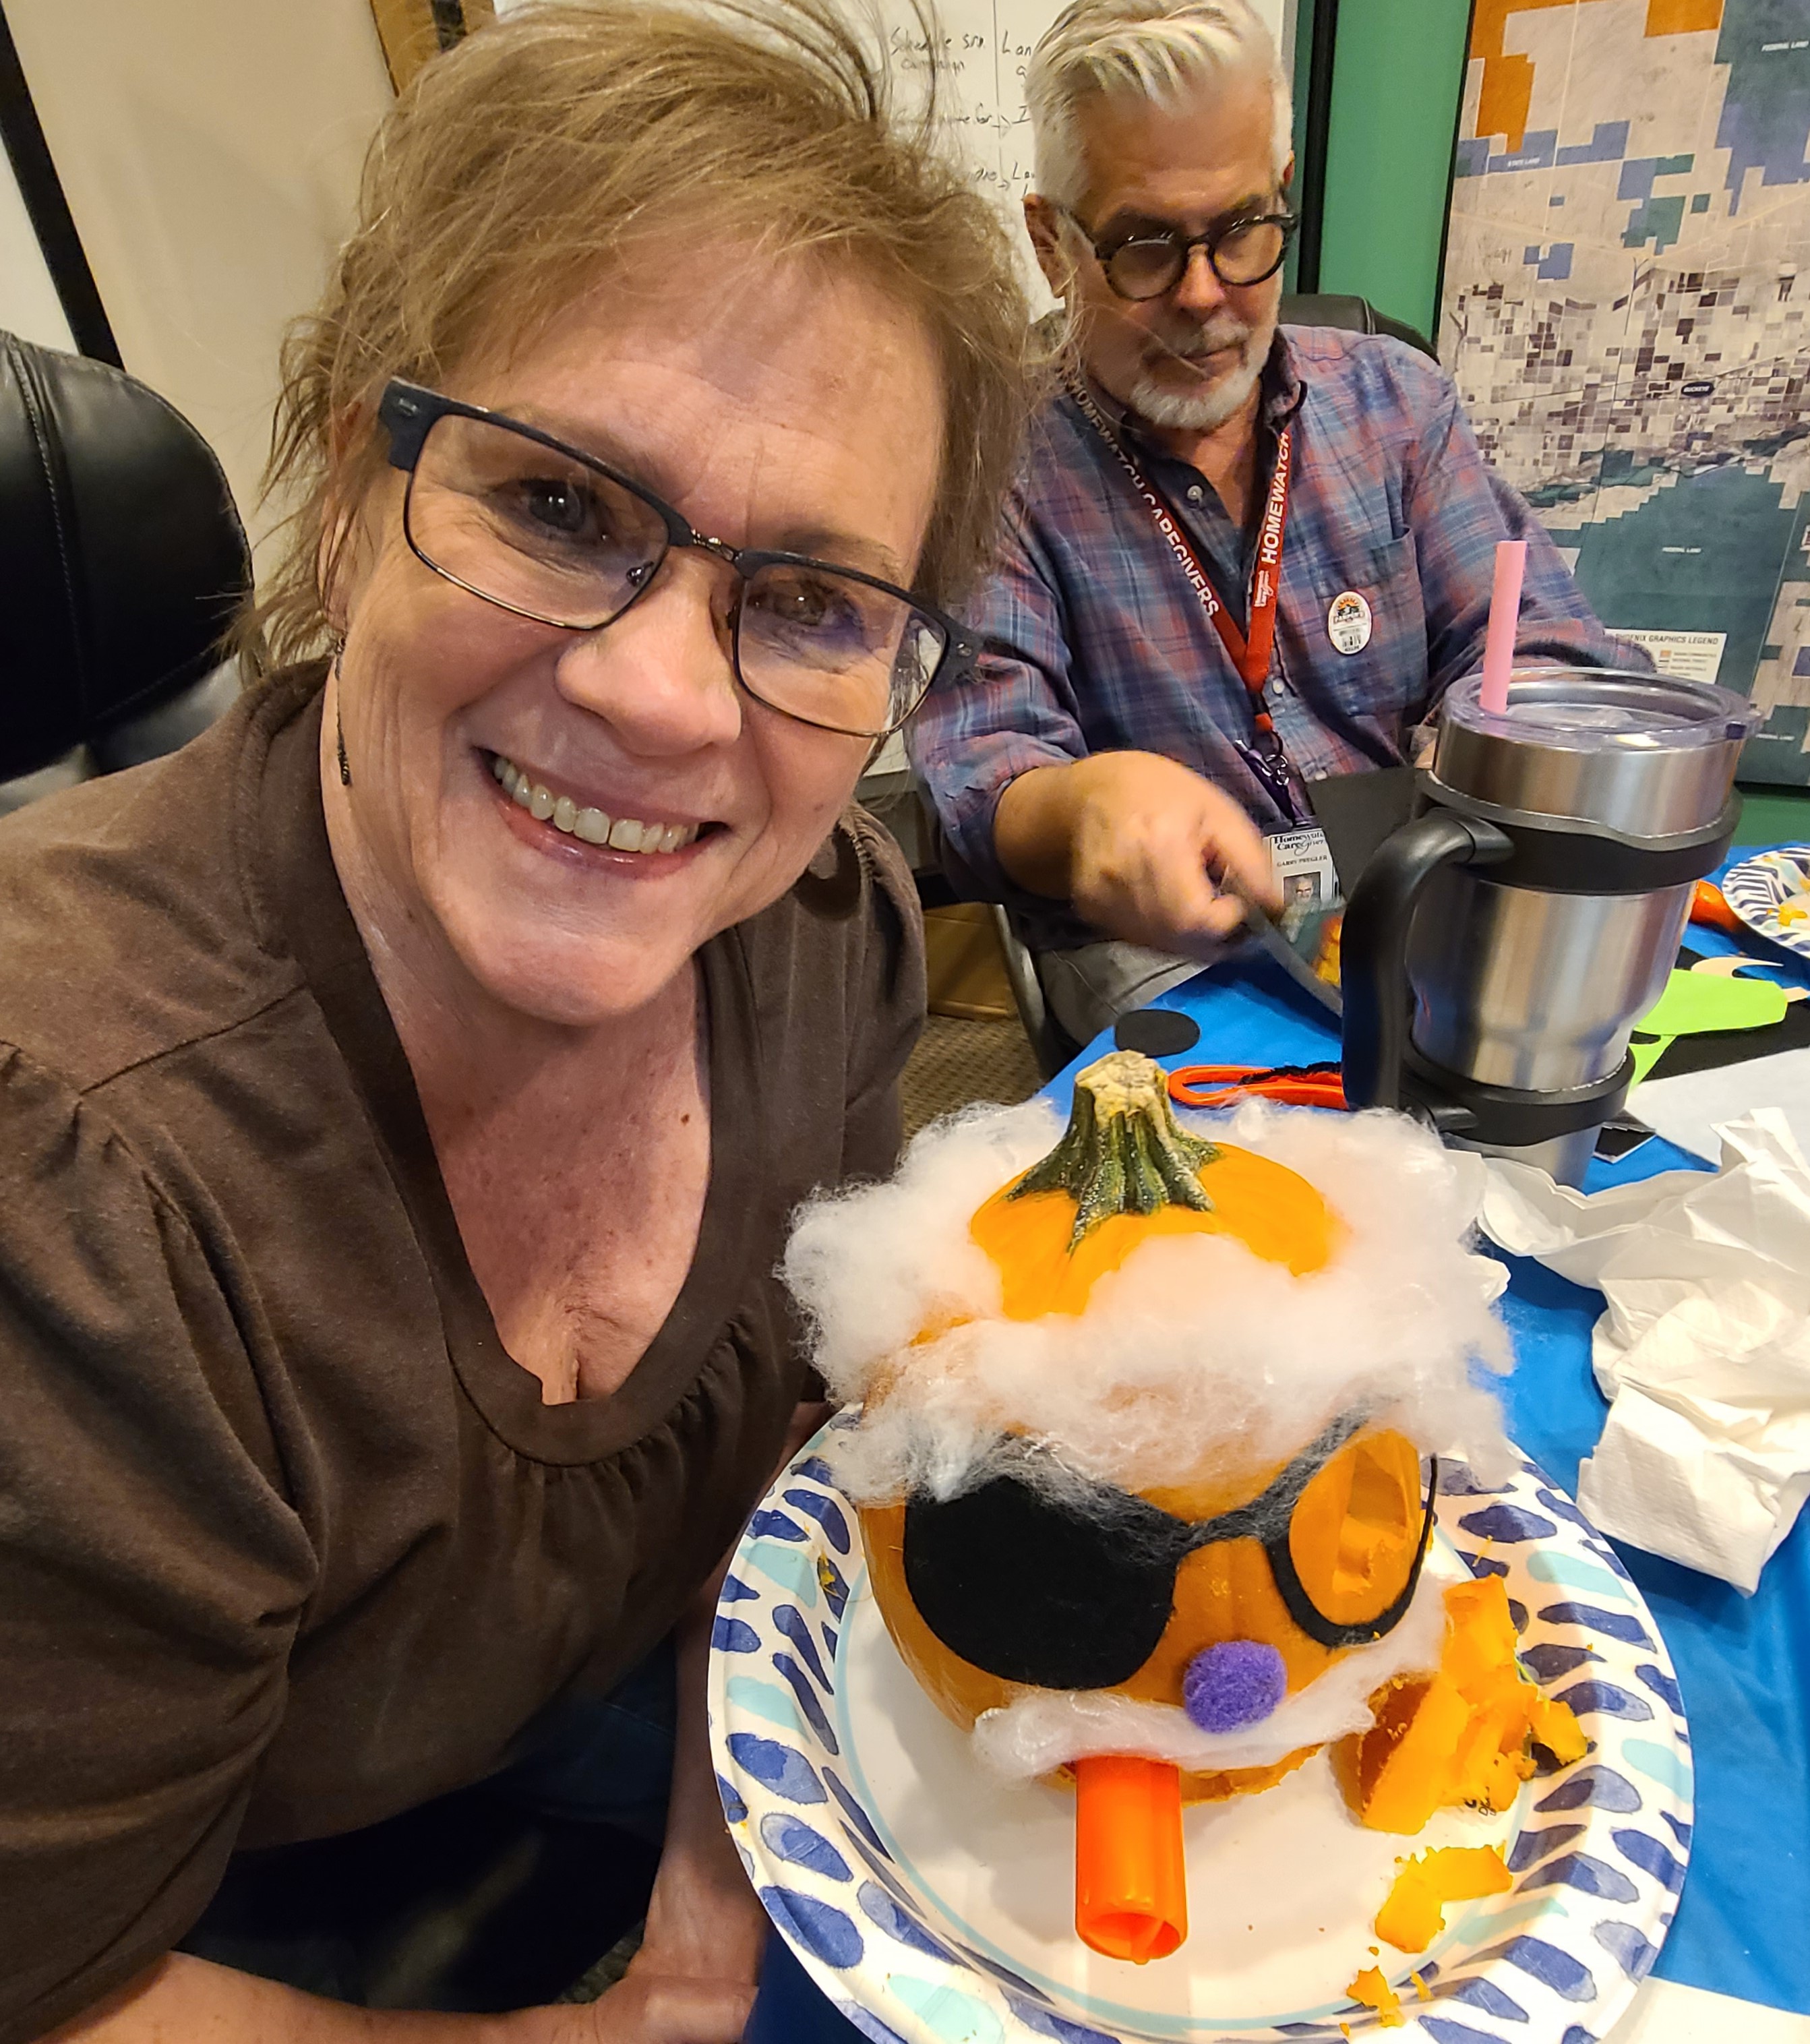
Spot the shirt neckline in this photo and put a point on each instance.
(1280, 383)
(301, 910)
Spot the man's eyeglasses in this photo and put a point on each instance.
(1143, 261)
(1072, 1587)
(550, 533)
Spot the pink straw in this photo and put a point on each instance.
(1504, 615)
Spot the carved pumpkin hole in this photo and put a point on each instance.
(1357, 1525)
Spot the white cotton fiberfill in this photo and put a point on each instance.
(1198, 1361)
(1042, 1730)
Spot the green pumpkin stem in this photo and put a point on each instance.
(1123, 1150)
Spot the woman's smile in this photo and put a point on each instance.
(553, 817)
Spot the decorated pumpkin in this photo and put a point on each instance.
(1147, 1461)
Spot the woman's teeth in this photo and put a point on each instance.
(620, 833)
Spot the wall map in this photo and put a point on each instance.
(1626, 312)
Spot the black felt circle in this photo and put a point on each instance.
(1158, 1032)
(1016, 1585)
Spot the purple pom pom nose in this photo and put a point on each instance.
(1239, 1682)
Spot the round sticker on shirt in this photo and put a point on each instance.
(1348, 623)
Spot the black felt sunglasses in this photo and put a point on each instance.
(1071, 1588)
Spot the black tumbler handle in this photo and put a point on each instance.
(1373, 943)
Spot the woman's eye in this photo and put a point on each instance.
(811, 606)
(557, 506)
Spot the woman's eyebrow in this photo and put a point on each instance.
(594, 440)
(841, 549)
(828, 543)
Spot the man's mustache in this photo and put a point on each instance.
(1194, 342)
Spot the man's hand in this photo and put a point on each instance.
(1146, 850)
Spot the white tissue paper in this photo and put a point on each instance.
(1704, 1349)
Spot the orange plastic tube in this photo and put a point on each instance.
(1709, 904)
(1130, 1879)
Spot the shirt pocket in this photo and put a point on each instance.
(1381, 686)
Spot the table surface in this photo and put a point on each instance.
(1743, 1928)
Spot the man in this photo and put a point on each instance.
(1114, 771)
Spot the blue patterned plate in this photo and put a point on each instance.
(1770, 892)
(933, 1905)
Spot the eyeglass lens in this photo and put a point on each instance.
(1147, 267)
(549, 537)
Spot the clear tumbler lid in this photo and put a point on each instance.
(1587, 709)
(1646, 755)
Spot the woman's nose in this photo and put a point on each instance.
(1238, 1682)
(662, 674)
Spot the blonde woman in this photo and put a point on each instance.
(403, 1089)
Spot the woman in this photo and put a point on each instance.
(399, 1125)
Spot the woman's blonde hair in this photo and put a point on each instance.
(561, 142)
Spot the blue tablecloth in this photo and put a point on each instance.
(1743, 1924)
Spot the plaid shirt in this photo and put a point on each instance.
(1110, 650)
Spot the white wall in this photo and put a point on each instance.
(209, 150)
(28, 305)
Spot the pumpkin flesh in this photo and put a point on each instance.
(1461, 1735)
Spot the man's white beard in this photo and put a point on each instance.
(1200, 412)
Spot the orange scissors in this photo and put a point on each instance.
(1297, 1085)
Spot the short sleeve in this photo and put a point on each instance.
(887, 1007)
(151, 1574)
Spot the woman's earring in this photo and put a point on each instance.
(339, 721)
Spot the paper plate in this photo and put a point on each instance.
(1770, 892)
(933, 1903)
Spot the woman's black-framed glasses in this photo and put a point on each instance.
(1144, 261)
(553, 534)
(1073, 1587)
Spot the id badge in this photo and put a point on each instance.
(1313, 908)
(1304, 871)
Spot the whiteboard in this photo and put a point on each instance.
(986, 44)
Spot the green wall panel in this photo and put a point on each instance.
(1396, 82)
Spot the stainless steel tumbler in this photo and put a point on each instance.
(1500, 947)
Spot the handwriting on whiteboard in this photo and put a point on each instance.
(981, 60)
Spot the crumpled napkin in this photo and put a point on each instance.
(1704, 1349)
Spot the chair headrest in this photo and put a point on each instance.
(121, 551)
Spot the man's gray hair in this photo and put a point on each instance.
(1157, 50)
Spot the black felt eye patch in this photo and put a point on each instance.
(1071, 1587)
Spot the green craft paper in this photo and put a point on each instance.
(1695, 1002)
(1648, 1052)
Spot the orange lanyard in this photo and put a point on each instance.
(1251, 654)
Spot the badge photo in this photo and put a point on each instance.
(1348, 623)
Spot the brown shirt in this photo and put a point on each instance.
(288, 1542)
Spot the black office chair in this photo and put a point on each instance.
(123, 563)
(1355, 315)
